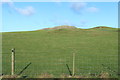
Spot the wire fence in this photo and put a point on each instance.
(59, 65)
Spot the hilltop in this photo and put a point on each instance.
(60, 27)
(73, 27)
(98, 27)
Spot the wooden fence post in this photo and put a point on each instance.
(73, 64)
(13, 61)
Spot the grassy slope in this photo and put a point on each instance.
(50, 51)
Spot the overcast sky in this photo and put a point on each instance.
(28, 16)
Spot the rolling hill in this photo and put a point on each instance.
(49, 50)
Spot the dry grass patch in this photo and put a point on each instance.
(104, 75)
(45, 75)
(10, 76)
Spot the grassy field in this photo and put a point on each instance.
(96, 51)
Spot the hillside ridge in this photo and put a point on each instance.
(73, 27)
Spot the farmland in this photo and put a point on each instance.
(96, 51)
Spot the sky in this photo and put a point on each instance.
(29, 16)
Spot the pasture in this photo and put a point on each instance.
(49, 51)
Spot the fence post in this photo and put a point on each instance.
(73, 64)
(13, 61)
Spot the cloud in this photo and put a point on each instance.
(81, 7)
(57, 21)
(83, 23)
(6, 1)
(78, 7)
(26, 11)
(9, 2)
(92, 9)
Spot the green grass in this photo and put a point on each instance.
(50, 50)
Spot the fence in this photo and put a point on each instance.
(42, 64)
